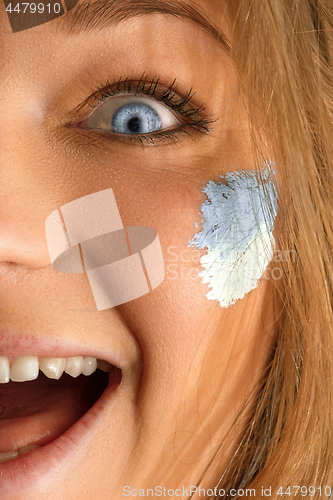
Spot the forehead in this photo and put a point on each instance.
(76, 15)
(142, 32)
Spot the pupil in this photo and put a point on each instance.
(134, 125)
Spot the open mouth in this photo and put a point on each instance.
(41, 398)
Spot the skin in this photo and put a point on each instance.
(188, 363)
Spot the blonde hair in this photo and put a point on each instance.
(284, 54)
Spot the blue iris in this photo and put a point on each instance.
(136, 119)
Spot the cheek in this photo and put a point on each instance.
(170, 316)
(167, 318)
(237, 233)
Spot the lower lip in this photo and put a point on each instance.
(24, 472)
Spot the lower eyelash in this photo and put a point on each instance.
(167, 137)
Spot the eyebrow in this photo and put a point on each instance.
(96, 15)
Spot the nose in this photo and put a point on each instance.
(22, 239)
(24, 206)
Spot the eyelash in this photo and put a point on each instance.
(180, 105)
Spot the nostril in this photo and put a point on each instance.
(11, 265)
(23, 245)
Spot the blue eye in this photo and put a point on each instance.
(136, 119)
(130, 115)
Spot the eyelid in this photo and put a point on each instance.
(167, 95)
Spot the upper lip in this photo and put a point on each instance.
(15, 343)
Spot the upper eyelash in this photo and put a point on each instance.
(169, 97)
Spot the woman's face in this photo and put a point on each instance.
(187, 364)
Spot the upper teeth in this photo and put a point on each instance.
(25, 368)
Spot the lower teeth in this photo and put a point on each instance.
(10, 455)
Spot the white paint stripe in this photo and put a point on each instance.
(237, 231)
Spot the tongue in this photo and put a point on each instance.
(39, 411)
